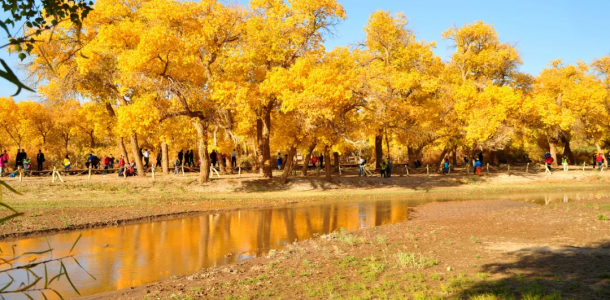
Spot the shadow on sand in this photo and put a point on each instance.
(548, 273)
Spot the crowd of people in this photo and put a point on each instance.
(217, 159)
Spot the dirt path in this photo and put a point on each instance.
(459, 250)
(81, 203)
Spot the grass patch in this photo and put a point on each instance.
(415, 260)
(347, 238)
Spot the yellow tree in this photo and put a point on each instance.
(483, 87)
(13, 121)
(73, 62)
(318, 94)
(401, 78)
(39, 119)
(180, 59)
(565, 98)
(277, 33)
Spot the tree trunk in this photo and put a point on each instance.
(257, 166)
(223, 169)
(288, 166)
(308, 158)
(122, 149)
(492, 157)
(600, 150)
(164, 157)
(378, 151)
(266, 133)
(567, 151)
(327, 164)
(387, 142)
(204, 170)
(442, 158)
(336, 159)
(91, 140)
(454, 156)
(259, 145)
(135, 149)
(553, 148)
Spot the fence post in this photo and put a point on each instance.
(153, 171)
(19, 170)
(183, 169)
(583, 166)
(53, 174)
(427, 170)
(509, 168)
(407, 167)
(89, 177)
(527, 168)
(487, 168)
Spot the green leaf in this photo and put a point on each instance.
(68, 277)
(58, 294)
(10, 217)
(9, 76)
(75, 242)
(10, 188)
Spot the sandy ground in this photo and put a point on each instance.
(458, 250)
(80, 203)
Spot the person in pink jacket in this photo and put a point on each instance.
(3, 163)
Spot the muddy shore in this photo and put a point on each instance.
(104, 201)
(457, 250)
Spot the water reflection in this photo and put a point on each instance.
(126, 256)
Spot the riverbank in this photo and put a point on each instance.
(81, 203)
(488, 249)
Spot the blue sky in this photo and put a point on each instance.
(542, 30)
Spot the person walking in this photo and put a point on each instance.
(361, 164)
(477, 166)
(39, 160)
(594, 160)
(146, 155)
(548, 162)
(600, 161)
(389, 169)
(234, 159)
(18, 159)
(121, 166)
(67, 163)
(4, 160)
(105, 162)
(446, 166)
(159, 157)
(214, 158)
(177, 164)
(384, 166)
(564, 162)
(279, 161)
(2, 164)
(111, 162)
(181, 156)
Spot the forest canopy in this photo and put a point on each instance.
(258, 78)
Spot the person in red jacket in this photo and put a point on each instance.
(121, 166)
(600, 161)
(105, 163)
(549, 161)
